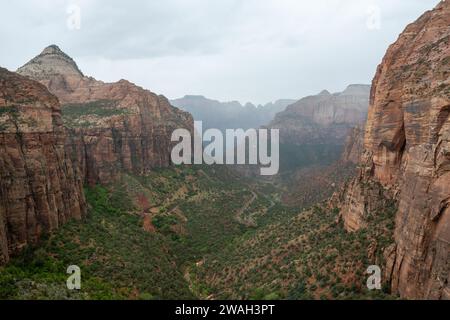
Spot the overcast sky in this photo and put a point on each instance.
(246, 50)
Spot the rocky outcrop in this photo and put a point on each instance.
(40, 189)
(362, 199)
(113, 126)
(407, 152)
(324, 118)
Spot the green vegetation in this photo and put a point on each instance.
(118, 259)
(200, 232)
(196, 208)
(307, 256)
(12, 113)
(74, 114)
(295, 156)
(10, 110)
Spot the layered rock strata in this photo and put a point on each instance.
(40, 188)
(113, 126)
(407, 152)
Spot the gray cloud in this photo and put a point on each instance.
(247, 50)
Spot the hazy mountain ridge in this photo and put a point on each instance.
(230, 115)
(313, 130)
(324, 117)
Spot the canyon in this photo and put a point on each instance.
(74, 148)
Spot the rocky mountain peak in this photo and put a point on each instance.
(110, 112)
(52, 49)
(51, 61)
(357, 89)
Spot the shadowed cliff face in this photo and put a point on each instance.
(40, 189)
(113, 126)
(407, 151)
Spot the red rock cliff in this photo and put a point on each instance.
(39, 187)
(407, 152)
(354, 146)
(113, 126)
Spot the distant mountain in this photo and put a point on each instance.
(312, 118)
(230, 115)
(314, 129)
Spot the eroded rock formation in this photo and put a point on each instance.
(407, 152)
(113, 126)
(40, 189)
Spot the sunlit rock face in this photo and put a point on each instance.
(407, 151)
(40, 188)
(113, 126)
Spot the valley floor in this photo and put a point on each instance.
(199, 232)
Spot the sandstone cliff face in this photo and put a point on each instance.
(354, 146)
(407, 151)
(113, 126)
(39, 187)
(323, 118)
